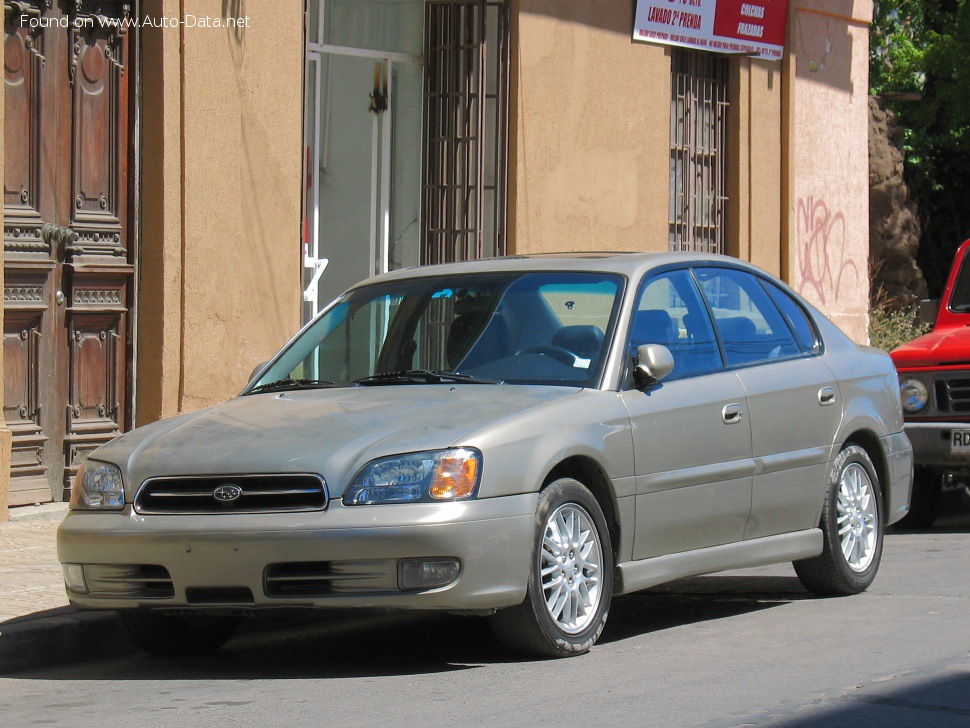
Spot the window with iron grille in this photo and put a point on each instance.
(698, 140)
(466, 103)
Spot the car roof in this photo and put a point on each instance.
(630, 264)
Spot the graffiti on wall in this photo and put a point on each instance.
(824, 266)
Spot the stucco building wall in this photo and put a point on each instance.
(827, 206)
(589, 130)
(5, 434)
(228, 106)
(590, 137)
(754, 163)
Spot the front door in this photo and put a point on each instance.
(691, 431)
(68, 263)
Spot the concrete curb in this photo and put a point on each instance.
(58, 637)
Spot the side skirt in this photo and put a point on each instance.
(635, 575)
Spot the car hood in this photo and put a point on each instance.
(940, 347)
(332, 432)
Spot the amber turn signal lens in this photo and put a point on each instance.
(455, 477)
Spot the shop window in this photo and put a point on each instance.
(465, 112)
(698, 142)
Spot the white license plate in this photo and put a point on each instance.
(960, 442)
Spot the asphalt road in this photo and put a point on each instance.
(743, 648)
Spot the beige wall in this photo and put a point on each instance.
(590, 131)
(222, 203)
(827, 196)
(588, 157)
(754, 163)
(5, 435)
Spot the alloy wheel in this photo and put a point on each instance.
(570, 561)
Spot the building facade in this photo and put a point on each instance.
(187, 182)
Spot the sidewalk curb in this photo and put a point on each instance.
(58, 637)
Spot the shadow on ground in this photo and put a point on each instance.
(354, 644)
(939, 700)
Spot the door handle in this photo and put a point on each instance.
(826, 396)
(732, 413)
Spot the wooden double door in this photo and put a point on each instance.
(69, 267)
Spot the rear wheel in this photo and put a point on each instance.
(852, 528)
(160, 633)
(570, 580)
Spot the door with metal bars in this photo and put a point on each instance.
(466, 102)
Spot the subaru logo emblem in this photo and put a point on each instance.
(227, 493)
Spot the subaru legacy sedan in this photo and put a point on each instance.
(521, 439)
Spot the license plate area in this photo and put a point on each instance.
(960, 443)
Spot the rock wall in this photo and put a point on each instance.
(894, 228)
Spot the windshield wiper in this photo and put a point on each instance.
(290, 384)
(422, 376)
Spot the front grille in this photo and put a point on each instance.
(305, 579)
(129, 581)
(958, 394)
(232, 494)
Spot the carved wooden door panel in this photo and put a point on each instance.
(68, 267)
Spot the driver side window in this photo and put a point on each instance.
(671, 312)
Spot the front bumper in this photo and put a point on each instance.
(931, 444)
(344, 556)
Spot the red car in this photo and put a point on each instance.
(934, 380)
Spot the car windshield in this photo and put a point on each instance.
(519, 328)
(960, 298)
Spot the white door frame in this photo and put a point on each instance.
(380, 192)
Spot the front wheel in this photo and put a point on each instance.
(168, 635)
(570, 580)
(852, 526)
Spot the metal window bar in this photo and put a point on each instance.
(466, 92)
(698, 137)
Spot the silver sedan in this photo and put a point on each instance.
(520, 439)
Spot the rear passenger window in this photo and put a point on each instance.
(796, 317)
(751, 328)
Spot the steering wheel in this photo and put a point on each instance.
(564, 356)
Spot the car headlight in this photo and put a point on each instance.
(98, 485)
(914, 395)
(417, 477)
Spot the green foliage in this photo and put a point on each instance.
(890, 327)
(924, 47)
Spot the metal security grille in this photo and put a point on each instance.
(466, 102)
(698, 135)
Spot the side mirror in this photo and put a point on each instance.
(654, 362)
(257, 371)
(928, 309)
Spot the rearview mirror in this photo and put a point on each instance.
(928, 308)
(654, 362)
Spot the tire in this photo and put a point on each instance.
(924, 503)
(168, 635)
(570, 578)
(853, 503)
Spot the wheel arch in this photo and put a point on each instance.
(592, 475)
(869, 441)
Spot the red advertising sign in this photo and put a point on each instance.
(754, 27)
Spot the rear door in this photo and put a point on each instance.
(794, 404)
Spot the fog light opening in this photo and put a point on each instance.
(74, 578)
(413, 574)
